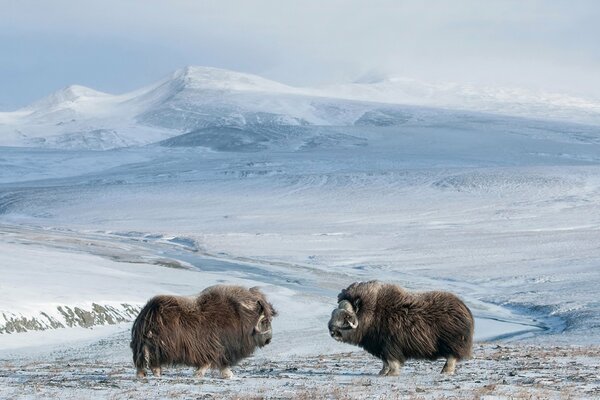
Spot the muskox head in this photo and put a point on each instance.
(262, 313)
(263, 333)
(343, 321)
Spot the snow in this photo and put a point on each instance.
(120, 272)
(101, 369)
(73, 95)
(215, 78)
(498, 100)
(301, 196)
(422, 216)
(195, 98)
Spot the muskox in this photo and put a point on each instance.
(395, 325)
(215, 329)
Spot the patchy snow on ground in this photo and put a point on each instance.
(102, 369)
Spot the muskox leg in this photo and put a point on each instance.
(142, 364)
(394, 368)
(201, 371)
(226, 373)
(386, 368)
(449, 366)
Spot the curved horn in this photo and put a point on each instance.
(257, 327)
(345, 305)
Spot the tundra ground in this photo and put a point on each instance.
(102, 369)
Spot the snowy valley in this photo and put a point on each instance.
(212, 176)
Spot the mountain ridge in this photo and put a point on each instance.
(195, 98)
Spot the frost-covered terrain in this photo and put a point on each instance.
(235, 179)
(100, 369)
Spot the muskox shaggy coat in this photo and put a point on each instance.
(215, 329)
(395, 325)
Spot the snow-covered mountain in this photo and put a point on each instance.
(200, 99)
(190, 99)
(498, 100)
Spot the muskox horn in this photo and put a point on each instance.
(345, 305)
(257, 327)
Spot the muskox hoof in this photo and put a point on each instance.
(450, 366)
(226, 373)
(448, 371)
(140, 374)
(385, 369)
(201, 371)
(156, 372)
(393, 368)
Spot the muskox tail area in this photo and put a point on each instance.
(457, 328)
(145, 353)
(466, 340)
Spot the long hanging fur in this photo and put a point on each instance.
(216, 329)
(398, 325)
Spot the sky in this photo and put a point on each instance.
(120, 45)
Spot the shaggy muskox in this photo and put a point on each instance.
(394, 325)
(215, 329)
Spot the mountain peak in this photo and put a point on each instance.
(66, 95)
(195, 77)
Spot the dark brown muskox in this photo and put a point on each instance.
(215, 329)
(395, 325)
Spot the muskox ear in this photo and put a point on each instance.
(261, 307)
(357, 304)
(255, 289)
(266, 307)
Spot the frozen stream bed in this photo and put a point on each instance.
(116, 284)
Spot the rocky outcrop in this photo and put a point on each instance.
(64, 316)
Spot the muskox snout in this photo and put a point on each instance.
(263, 339)
(335, 334)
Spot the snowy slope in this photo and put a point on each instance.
(196, 98)
(191, 98)
(502, 211)
(497, 100)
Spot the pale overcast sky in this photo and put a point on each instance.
(119, 45)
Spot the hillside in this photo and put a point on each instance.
(197, 98)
